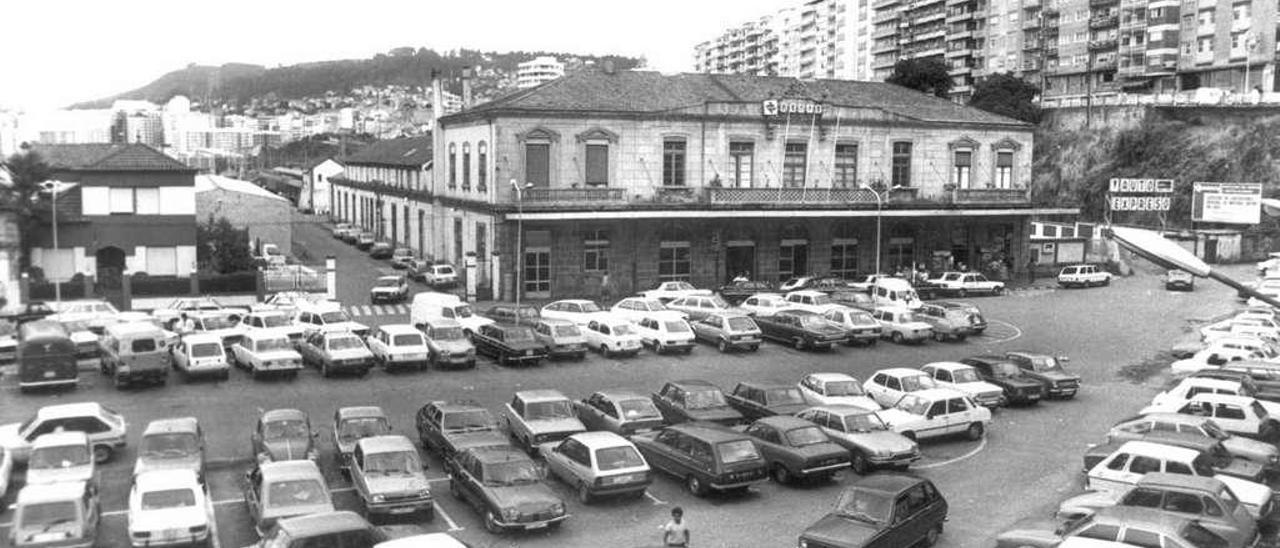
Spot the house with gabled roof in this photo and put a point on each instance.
(385, 188)
(317, 193)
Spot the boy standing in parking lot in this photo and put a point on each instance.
(676, 531)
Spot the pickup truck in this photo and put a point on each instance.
(802, 329)
(509, 344)
(535, 417)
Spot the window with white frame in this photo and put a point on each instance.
(845, 174)
(466, 166)
(597, 168)
(673, 261)
(1004, 169)
(162, 261)
(453, 165)
(121, 201)
(741, 160)
(962, 167)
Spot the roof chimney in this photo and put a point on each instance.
(467, 74)
(609, 67)
(437, 95)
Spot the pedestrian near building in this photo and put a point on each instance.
(1031, 270)
(676, 531)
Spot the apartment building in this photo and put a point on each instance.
(751, 48)
(538, 71)
(817, 39)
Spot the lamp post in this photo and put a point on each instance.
(519, 241)
(880, 196)
(1153, 247)
(1250, 40)
(52, 187)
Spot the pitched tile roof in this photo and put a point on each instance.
(646, 92)
(108, 157)
(206, 183)
(399, 152)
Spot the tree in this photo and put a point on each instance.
(1007, 95)
(222, 248)
(27, 170)
(927, 75)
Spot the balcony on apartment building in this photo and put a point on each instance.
(1031, 20)
(1031, 64)
(884, 4)
(1102, 3)
(1032, 44)
(1103, 65)
(1103, 21)
(885, 32)
(1161, 67)
(959, 15)
(1102, 44)
(885, 17)
(603, 198)
(884, 46)
(1242, 24)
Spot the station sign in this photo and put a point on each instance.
(1235, 203)
(783, 107)
(1124, 194)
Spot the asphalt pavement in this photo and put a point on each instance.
(1030, 459)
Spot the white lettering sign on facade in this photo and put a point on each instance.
(779, 107)
(1236, 203)
(1143, 186)
(1140, 203)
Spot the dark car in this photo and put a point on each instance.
(706, 457)
(283, 434)
(757, 400)
(1019, 387)
(1179, 280)
(802, 329)
(509, 344)
(976, 320)
(449, 427)
(341, 528)
(736, 292)
(623, 413)
(1058, 383)
(695, 400)
(381, 250)
(506, 488)
(796, 449)
(854, 298)
(881, 511)
(26, 312)
(1215, 454)
(507, 313)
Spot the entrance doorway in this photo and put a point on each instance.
(537, 272)
(793, 259)
(740, 258)
(111, 264)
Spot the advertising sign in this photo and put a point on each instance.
(1140, 194)
(782, 107)
(1236, 203)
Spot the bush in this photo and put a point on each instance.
(156, 286)
(233, 282)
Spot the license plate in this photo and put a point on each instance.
(535, 526)
(405, 510)
(50, 374)
(528, 352)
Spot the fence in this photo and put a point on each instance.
(295, 278)
(44, 291)
(153, 286)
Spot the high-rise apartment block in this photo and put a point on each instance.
(751, 48)
(817, 39)
(538, 71)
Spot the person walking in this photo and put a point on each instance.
(1031, 270)
(676, 531)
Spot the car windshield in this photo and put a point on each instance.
(392, 463)
(217, 322)
(170, 445)
(904, 317)
(275, 320)
(548, 410)
(638, 409)
(588, 308)
(652, 305)
(1005, 369)
(861, 318)
(47, 514)
(913, 405)
(704, 399)
(206, 350)
(275, 344)
(718, 302)
(362, 427)
(844, 388)
(741, 323)
(814, 322)
(446, 333)
(863, 505)
(622, 329)
(864, 422)
(617, 458)
(388, 282)
(63, 456)
(568, 331)
(519, 333)
(335, 316)
(407, 339)
(168, 498)
(1259, 411)
(822, 299)
(511, 472)
(275, 430)
(806, 435)
(733, 452)
(475, 419)
(913, 383)
(463, 311)
(676, 326)
(783, 396)
(299, 492)
(965, 375)
(1046, 364)
(681, 286)
(345, 343)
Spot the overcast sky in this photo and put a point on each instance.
(57, 52)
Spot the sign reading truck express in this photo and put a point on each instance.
(1140, 194)
(1237, 203)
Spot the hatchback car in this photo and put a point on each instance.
(57, 514)
(278, 490)
(172, 444)
(695, 400)
(563, 338)
(728, 331)
(870, 442)
(664, 334)
(352, 424)
(937, 412)
(106, 429)
(965, 378)
(168, 508)
(859, 324)
(578, 311)
(698, 307)
(835, 389)
(887, 386)
(796, 449)
(764, 304)
(612, 337)
(882, 511)
(620, 412)
(597, 464)
(61, 457)
(634, 308)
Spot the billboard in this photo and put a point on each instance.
(1140, 194)
(1236, 203)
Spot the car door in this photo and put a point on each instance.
(358, 479)
(179, 352)
(935, 420)
(768, 441)
(253, 493)
(575, 462)
(662, 450)
(1233, 417)
(958, 415)
(609, 417)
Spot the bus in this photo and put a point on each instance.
(46, 356)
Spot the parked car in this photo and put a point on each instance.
(227, 327)
(1049, 370)
(401, 257)
(168, 507)
(283, 434)
(870, 442)
(440, 275)
(1110, 526)
(737, 292)
(937, 412)
(853, 298)
(865, 283)
(965, 378)
(1216, 455)
(389, 289)
(1179, 280)
(882, 511)
(861, 327)
(21, 313)
(795, 449)
(365, 240)
(1121, 470)
(202, 355)
(665, 333)
(197, 305)
(802, 329)
(887, 386)
(106, 429)
(633, 309)
(698, 307)
(1190, 386)
(172, 444)
(667, 291)
(95, 314)
(399, 346)
(704, 457)
(268, 352)
(578, 311)
(727, 331)
(336, 352)
(278, 320)
(448, 344)
(945, 324)
(135, 353)
(963, 284)
(381, 250)
(976, 320)
(811, 300)
(612, 337)
(623, 413)
(58, 514)
(509, 344)
(1207, 500)
(764, 305)
(562, 338)
(447, 427)
(340, 528)
(757, 400)
(1139, 427)
(387, 475)
(429, 305)
(286, 301)
(339, 228)
(506, 488)
(598, 464)
(506, 313)
(1018, 387)
(61, 457)
(535, 417)
(1085, 275)
(695, 400)
(328, 317)
(1240, 415)
(278, 490)
(352, 424)
(835, 389)
(900, 325)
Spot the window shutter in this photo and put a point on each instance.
(538, 164)
(597, 164)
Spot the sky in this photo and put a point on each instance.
(57, 52)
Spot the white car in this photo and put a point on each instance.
(633, 309)
(168, 508)
(399, 346)
(1271, 263)
(287, 301)
(865, 283)
(60, 457)
(578, 311)
(835, 389)
(764, 305)
(937, 412)
(813, 301)
(328, 317)
(1084, 275)
(1233, 328)
(195, 305)
(272, 319)
(900, 325)
(598, 464)
(266, 351)
(389, 289)
(962, 284)
(1240, 415)
(200, 354)
(965, 379)
(220, 324)
(6, 470)
(440, 275)
(1192, 386)
(863, 328)
(667, 291)
(612, 336)
(106, 428)
(1213, 357)
(887, 386)
(665, 333)
(1121, 470)
(97, 315)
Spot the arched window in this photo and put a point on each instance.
(453, 165)
(482, 166)
(466, 166)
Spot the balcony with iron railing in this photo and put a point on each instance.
(717, 198)
(1102, 3)
(1103, 21)
(1102, 44)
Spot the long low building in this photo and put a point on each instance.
(610, 182)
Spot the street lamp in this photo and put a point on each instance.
(1153, 247)
(880, 196)
(1250, 41)
(519, 240)
(52, 188)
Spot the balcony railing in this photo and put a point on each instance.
(554, 196)
(1105, 44)
(990, 195)
(602, 199)
(781, 196)
(1103, 21)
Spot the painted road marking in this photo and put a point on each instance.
(214, 541)
(1016, 332)
(453, 526)
(115, 513)
(228, 501)
(341, 489)
(982, 445)
(656, 501)
(360, 310)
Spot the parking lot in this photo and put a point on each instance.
(1029, 460)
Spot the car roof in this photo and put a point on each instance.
(886, 483)
(574, 301)
(600, 440)
(617, 395)
(989, 358)
(60, 438)
(541, 395)
(556, 321)
(170, 426)
(1224, 398)
(497, 453)
(361, 412)
(829, 377)
(1149, 447)
(693, 383)
(949, 366)
(446, 406)
(386, 443)
(765, 385)
(166, 479)
(429, 540)
(1181, 481)
(1209, 382)
(283, 414)
(844, 410)
(267, 333)
(395, 277)
(399, 329)
(51, 492)
(323, 523)
(134, 328)
(70, 410)
(807, 292)
(708, 431)
(796, 312)
(1176, 418)
(441, 323)
(902, 372)
(1165, 521)
(290, 469)
(937, 393)
(784, 422)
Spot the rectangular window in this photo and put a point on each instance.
(162, 261)
(793, 259)
(793, 165)
(673, 262)
(453, 166)
(673, 154)
(595, 254)
(597, 165)
(482, 242)
(844, 258)
(466, 167)
(148, 201)
(741, 163)
(537, 164)
(846, 172)
(901, 174)
(962, 167)
(121, 200)
(1004, 169)
(482, 169)
(457, 241)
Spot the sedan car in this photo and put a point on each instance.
(854, 299)
(389, 289)
(172, 444)
(859, 324)
(447, 427)
(835, 389)
(266, 352)
(633, 309)
(802, 329)
(352, 424)
(737, 292)
(506, 313)
(1136, 428)
(870, 442)
(695, 400)
(728, 331)
(381, 250)
(796, 449)
(623, 413)
(598, 464)
(900, 325)
(578, 311)
(278, 490)
(698, 307)
(937, 412)
(283, 434)
(1109, 526)
(1049, 370)
(667, 291)
(764, 304)
(882, 510)
(887, 386)
(506, 487)
(965, 378)
(1208, 500)
(1018, 387)
(334, 352)
(168, 508)
(399, 346)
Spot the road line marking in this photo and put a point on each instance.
(453, 526)
(228, 501)
(437, 480)
(380, 310)
(341, 489)
(656, 501)
(214, 541)
(1016, 332)
(975, 451)
(114, 513)
(6, 525)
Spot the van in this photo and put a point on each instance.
(135, 352)
(46, 355)
(895, 292)
(64, 515)
(431, 304)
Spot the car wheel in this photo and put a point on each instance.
(872, 342)
(961, 337)
(695, 486)
(975, 431)
(781, 475)
(101, 453)
(722, 346)
(858, 462)
(931, 538)
(324, 370)
(604, 351)
(491, 523)
(798, 342)
(659, 348)
(688, 350)
(755, 347)
(584, 494)
(896, 337)
(962, 293)
(502, 359)
(1106, 281)
(997, 291)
